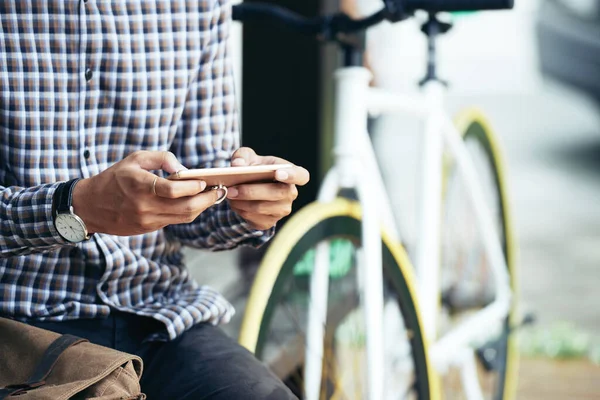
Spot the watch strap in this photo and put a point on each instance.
(65, 196)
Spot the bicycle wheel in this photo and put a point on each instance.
(275, 320)
(466, 281)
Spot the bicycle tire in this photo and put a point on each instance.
(474, 127)
(311, 225)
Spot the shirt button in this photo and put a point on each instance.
(86, 154)
(88, 74)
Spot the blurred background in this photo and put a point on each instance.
(535, 71)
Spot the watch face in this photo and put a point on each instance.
(70, 227)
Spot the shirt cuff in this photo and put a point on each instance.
(30, 215)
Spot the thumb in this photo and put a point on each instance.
(155, 160)
(245, 156)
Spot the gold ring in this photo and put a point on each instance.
(154, 185)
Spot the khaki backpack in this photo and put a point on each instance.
(39, 364)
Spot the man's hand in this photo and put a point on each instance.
(121, 200)
(263, 204)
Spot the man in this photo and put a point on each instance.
(119, 94)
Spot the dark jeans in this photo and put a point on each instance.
(203, 363)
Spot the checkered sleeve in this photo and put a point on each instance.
(208, 135)
(26, 222)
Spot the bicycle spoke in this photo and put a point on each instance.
(328, 360)
(343, 360)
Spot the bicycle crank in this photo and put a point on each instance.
(488, 353)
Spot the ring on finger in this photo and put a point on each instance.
(224, 196)
(154, 185)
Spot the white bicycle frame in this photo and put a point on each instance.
(355, 167)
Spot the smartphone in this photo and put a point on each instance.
(231, 176)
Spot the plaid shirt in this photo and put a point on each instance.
(83, 83)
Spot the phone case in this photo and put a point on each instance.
(231, 176)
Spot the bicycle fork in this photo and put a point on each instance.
(350, 172)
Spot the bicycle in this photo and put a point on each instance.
(338, 265)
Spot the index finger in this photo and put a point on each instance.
(293, 175)
(171, 189)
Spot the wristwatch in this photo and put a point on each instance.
(68, 225)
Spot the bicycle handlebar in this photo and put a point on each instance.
(258, 12)
(329, 26)
(454, 5)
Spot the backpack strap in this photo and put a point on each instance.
(45, 366)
